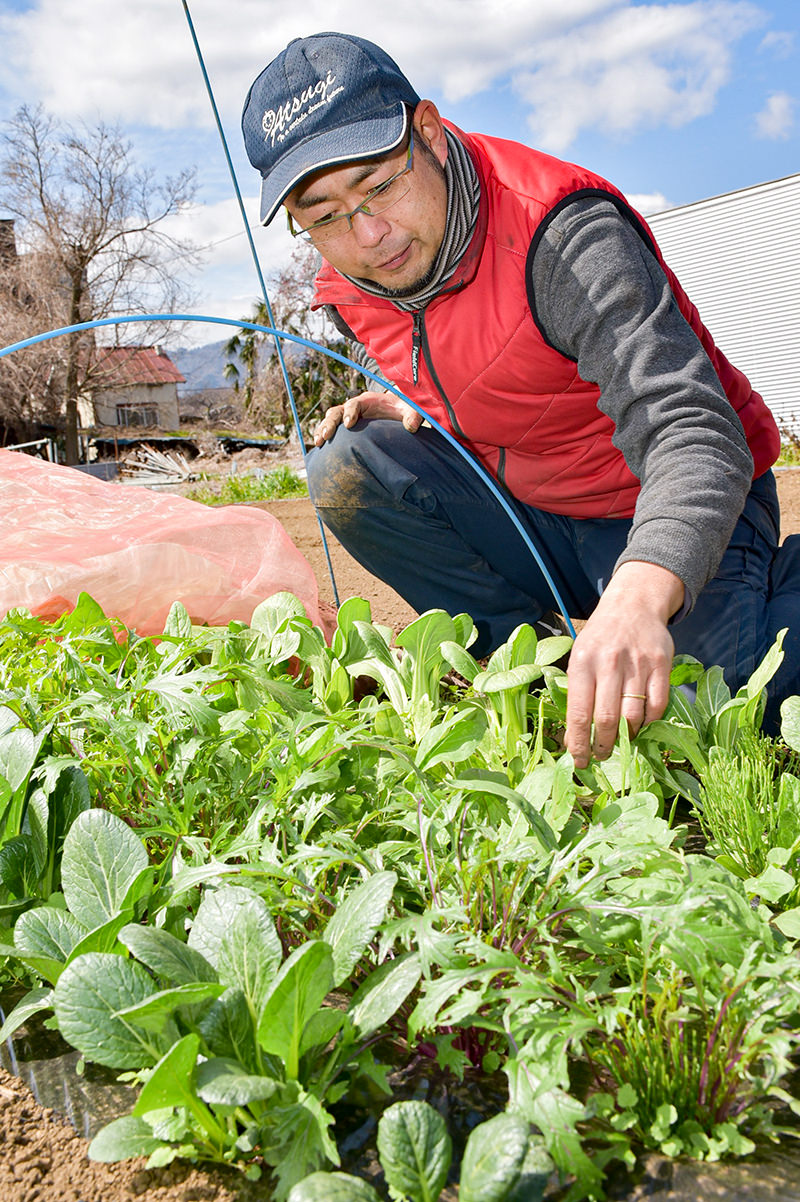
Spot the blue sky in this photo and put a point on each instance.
(673, 101)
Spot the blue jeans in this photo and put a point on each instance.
(415, 514)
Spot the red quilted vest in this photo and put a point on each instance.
(484, 369)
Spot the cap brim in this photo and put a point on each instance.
(358, 140)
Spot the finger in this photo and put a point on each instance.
(606, 729)
(634, 707)
(608, 708)
(351, 411)
(412, 420)
(580, 705)
(657, 693)
(327, 427)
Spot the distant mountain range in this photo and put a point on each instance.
(204, 366)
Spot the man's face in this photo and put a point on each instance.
(397, 248)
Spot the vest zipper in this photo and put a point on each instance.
(419, 342)
(416, 342)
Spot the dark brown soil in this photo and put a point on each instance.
(42, 1159)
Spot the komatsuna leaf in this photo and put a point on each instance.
(379, 664)
(332, 1187)
(466, 630)
(787, 923)
(250, 952)
(6, 794)
(557, 1113)
(172, 1080)
(53, 808)
(223, 1082)
(422, 641)
(20, 866)
(19, 751)
(452, 740)
(535, 1175)
(102, 858)
(767, 668)
(102, 938)
(48, 931)
(415, 1151)
(513, 678)
(356, 921)
(214, 917)
(712, 694)
(86, 999)
(301, 986)
(321, 1028)
(228, 1030)
(123, 1139)
(346, 642)
(790, 722)
(455, 655)
(550, 650)
(33, 1002)
(178, 624)
(771, 885)
(493, 1158)
(338, 692)
(383, 992)
(155, 1012)
(165, 955)
(683, 741)
(274, 612)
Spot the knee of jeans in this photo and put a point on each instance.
(785, 573)
(336, 476)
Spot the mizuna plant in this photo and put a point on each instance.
(247, 865)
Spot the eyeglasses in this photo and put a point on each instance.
(377, 200)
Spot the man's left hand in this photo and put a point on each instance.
(620, 664)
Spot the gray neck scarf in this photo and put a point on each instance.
(463, 198)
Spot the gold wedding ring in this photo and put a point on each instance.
(638, 696)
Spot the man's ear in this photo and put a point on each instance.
(429, 129)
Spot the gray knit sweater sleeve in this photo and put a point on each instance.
(603, 299)
(358, 352)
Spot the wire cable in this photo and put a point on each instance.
(262, 282)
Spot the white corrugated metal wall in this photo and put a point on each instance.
(738, 257)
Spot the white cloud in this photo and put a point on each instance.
(577, 63)
(778, 42)
(634, 68)
(776, 120)
(137, 62)
(647, 203)
(229, 285)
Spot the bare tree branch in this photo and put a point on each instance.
(82, 204)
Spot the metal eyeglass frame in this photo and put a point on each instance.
(367, 207)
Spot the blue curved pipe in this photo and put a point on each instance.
(274, 333)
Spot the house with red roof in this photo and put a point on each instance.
(133, 386)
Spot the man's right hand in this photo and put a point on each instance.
(366, 404)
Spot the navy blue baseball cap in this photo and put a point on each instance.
(326, 99)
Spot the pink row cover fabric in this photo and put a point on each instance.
(136, 551)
